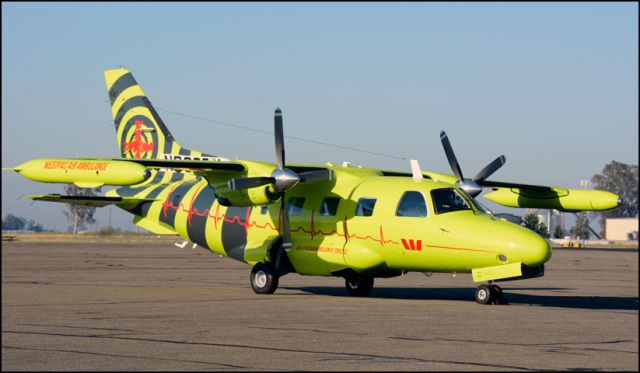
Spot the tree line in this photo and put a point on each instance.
(616, 177)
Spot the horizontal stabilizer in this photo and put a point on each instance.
(152, 226)
(97, 201)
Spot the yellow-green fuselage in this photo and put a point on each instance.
(324, 244)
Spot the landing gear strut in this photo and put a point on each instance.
(359, 285)
(489, 294)
(264, 279)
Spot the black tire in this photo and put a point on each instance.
(263, 279)
(497, 295)
(359, 285)
(484, 295)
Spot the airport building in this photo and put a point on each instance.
(552, 219)
(622, 229)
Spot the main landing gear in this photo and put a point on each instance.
(359, 285)
(264, 279)
(489, 294)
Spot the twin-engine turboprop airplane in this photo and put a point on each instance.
(321, 220)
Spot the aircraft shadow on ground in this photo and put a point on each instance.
(467, 294)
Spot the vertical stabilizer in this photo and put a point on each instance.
(140, 131)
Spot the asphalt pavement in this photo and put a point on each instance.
(154, 306)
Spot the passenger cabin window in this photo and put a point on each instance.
(295, 206)
(365, 206)
(448, 200)
(412, 204)
(329, 206)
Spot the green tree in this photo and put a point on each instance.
(532, 222)
(79, 215)
(621, 179)
(581, 228)
(13, 223)
(16, 223)
(558, 232)
(33, 226)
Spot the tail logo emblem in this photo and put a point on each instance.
(138, 147)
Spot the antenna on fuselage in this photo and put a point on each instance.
(417, 172)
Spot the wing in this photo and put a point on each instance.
(540, 196)
(204, 166)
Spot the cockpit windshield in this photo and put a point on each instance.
(449, 200)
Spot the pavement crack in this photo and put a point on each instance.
(305, 330)
(289, 350)
(123, 356)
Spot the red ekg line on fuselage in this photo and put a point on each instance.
(460, 248)
(247, 225)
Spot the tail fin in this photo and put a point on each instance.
(139, 129)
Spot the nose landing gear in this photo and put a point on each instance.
(489, 294)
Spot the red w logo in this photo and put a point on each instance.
(412, 245)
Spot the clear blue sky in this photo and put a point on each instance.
(552, 86)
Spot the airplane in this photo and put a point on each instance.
(357, 223)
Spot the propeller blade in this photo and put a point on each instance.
(490, 169)
(249, 182)
(279, 135)
(448, 151)
(286, 229)
(317, 175)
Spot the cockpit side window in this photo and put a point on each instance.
(295, 206)
(448, 200)
(329, 206)
(412, 204)
(365, 206)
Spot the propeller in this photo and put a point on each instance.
(281, 180)
(473, 186)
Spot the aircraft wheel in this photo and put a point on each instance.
(263, 279)
(359, 285)
(484, 295)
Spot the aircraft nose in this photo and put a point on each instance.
(535, 249)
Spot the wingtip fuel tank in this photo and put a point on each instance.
(555, 198)
(87, 173)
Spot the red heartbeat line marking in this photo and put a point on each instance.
(247, 225)
(460, 248)
(137, 146)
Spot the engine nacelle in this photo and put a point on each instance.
(247, 197)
